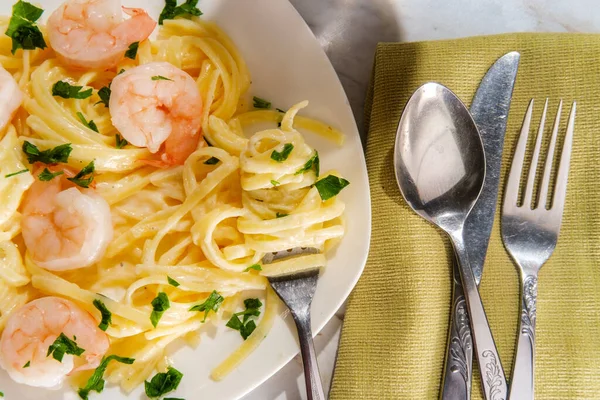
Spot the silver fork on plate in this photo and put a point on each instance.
(530, 232)
(297, 291)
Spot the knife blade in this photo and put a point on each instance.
(490, 112)
(489, 109)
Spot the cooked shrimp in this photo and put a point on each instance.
(31, 329)
(11, 97)
(158, 103)
(93, 34)
(65, 227)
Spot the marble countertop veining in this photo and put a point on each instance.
(349, 30)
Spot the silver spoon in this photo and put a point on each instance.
(440, 168)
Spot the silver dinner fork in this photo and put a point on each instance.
(530, 232)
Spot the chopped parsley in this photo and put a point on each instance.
(27, 364)
(120, 142)
(67, 91)
(63, 345)
(274, 182)
(313, 162)
(280, 215)
(261, 103)
(121, 71)
(46, 175)
(330, 186)
(172, 10)
(160, 78)
(104, 94)
(106, 314)
(96, 382)
(255, 267)
(163, 382)
(22, 28)
(16, 173)
(87, 171)
(172, 281)
(282, 155)
(51, 156)
(160, 304)
(132, 50)
(281, 111)
(212, 161)
(212, 303)
(91, 124)
(246, 326)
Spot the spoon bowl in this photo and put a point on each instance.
(439, 159)
(439, 162)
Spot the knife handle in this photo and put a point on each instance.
(456, 384)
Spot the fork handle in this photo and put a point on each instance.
(312, 378)
(458, 369)
(522, 382)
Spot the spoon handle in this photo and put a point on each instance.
(490, 367)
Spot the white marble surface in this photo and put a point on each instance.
(348, 31)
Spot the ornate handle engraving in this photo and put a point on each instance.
(492, 376)
(461, 344)
(529, 308)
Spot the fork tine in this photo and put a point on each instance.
(534, 160)
(549, 160)
(514, 177)
(560, 190)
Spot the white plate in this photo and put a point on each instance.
(287, 65)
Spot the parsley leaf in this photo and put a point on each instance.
(89, 124)
(261, 103)
(63, 345)
(163, 382)
(280, 215)
(313, 162)
(96, 383)
(212, 302)
(212, 161)
(104, 94)
(22, 29)
(16, 173)
(27, 364)
(245, 326)
(284, 154)
(80, 179)
(67, 91)
(171, 10)
(51, 156)
(160, 78)
(120, 142)
(160, 304)
(274, 182)
(280, 110)
(132, 50)
(106, 314)
(330, 186)
(47, 175)
(255, 267)
(172, 281)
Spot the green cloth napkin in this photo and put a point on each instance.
(394, 335)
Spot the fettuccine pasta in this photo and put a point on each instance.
(190, 212)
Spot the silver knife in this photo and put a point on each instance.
(490, 111)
